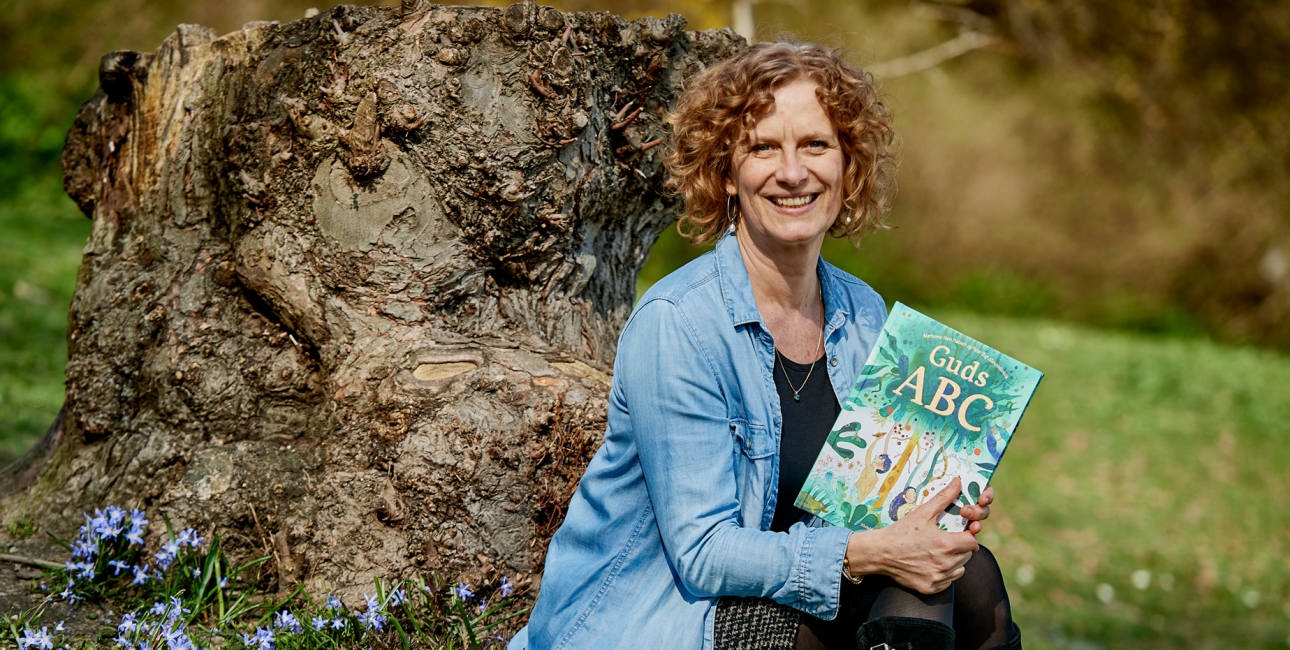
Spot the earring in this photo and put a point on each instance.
(730, 212)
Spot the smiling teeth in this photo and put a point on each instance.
(793, 202)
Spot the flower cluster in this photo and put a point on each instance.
(160, 626)
(109, 550)
(99, 545)
(189, 582)
(32, 640)
(372, 619)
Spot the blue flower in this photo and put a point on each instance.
(506, 588)
(84, 548)
(398, 597)
(176, 607)
(372, 603)
(135, 535)
(334, 603)
(164, 559)
(463, 592)
(98, 523)
(285, 620)
(140, 574)
(67, 592)
(177, 638)
(127, 624)
(158, 609)
(223, 582)
(197, 573)
(31, 639)
(372, 621)
(264, 638)
(118, 566)
(483, 605)
(189, 536)
(318, 623)
(337, 623)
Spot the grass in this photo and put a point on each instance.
(1163, 458)
(43, 236)
(43, 233)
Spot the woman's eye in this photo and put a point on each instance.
(817, 144)
(759, 147)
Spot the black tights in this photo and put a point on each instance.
(976, 606)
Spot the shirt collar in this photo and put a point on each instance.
(736, 287)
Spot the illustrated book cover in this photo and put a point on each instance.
(929, 405)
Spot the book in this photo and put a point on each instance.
(930, 404)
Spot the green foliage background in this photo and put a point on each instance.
(1118, 165)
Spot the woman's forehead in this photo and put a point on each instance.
(796, 111)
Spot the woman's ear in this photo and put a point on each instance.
(731, 190)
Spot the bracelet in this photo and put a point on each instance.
(846, 571)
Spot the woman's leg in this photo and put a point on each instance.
(895, 600)
(904, 619)
(877, 597)
(982, 614)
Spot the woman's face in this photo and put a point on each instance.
(788, 173)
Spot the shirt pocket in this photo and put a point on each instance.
(752, 439)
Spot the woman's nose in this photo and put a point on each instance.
(791, 171)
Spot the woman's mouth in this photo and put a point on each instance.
(793, 201)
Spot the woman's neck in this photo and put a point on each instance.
(786, 287)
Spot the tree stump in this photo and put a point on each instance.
(354, 283)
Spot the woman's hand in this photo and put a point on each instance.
(980, 512)
(913, 550)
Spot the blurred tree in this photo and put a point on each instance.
(1199, 87)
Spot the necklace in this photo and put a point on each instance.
(797, 392)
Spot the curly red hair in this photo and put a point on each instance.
(715, 113)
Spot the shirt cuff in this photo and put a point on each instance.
(819, 570)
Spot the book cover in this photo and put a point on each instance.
(929, 405)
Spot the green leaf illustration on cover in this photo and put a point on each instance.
(929, 405)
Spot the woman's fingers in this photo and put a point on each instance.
(975, 513)
(932, 508)
(987, 497)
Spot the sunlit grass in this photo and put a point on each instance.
(1142, 502)
(41, 236)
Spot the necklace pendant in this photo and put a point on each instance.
(796, 397)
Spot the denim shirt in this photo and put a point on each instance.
(674, 508)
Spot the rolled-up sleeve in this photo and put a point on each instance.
(670, 387)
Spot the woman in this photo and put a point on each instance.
(728, 377)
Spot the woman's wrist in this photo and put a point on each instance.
(863, 556)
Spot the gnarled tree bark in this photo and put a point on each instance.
(354, 282)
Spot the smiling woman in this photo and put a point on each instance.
(728, 375)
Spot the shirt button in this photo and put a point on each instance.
(833, 362)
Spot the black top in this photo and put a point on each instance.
(807, 422)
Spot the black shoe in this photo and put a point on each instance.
(901, 633)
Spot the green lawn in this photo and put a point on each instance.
(40, 249)
(1162, 457)
(1143, 503)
